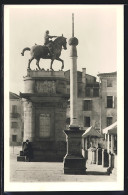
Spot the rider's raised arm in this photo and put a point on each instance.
(52, 36)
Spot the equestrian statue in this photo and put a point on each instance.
(50, 50)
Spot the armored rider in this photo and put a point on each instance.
(48, 42)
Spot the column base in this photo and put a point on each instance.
(74, 165)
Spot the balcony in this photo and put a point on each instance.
(14, 115)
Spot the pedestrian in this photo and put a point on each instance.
(27, 149)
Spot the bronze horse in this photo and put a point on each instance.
(39, 51)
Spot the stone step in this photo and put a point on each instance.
(21, 158)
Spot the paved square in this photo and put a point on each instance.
(53, 172)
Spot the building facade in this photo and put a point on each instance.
(88, 102)
(16, 119)
(108, 99)
(97, 101)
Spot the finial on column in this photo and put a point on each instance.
(73, 25)
(73, 40)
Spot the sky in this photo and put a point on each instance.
(94, 26)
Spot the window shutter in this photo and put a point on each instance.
(90, 104)
(106, 102)
(113, 102)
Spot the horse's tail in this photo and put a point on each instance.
(25, 49)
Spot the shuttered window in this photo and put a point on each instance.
(95, 92)
(109, 121)
(14, 138)
(87, 105)
(109, 83)
(86, 121)
(14, 109)
(88, 92)
(110, 102)
(14, 125)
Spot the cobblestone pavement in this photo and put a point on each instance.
(53, 172)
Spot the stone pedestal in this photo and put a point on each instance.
(74, 162)
(45, 101)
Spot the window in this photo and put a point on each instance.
(68, 104)
(14, 109)
(95, 92)
(67, 121)
(109, 83)
(87, 105)
(110, 101)
(14, 125)
(109, 121)
(44, 125)
(88, 92)
(14, 138)
(86, 121)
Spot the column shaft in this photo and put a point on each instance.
(112, 143)
(29, 121)
(108, 144)
(73, 92)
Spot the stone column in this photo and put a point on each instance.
(108, 144)
(73, 82)
(112, 144)
(86, 145)
(74, 162)
(29, 121)
(86, 148)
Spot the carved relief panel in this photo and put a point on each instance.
(47, 87)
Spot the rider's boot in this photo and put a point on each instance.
(51, 53)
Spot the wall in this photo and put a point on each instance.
(16, 117)
(108, 91)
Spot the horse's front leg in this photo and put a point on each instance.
(52, 60)
(59, 59)
(37, 63)
(29, 62)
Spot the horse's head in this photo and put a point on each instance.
(62, 41)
